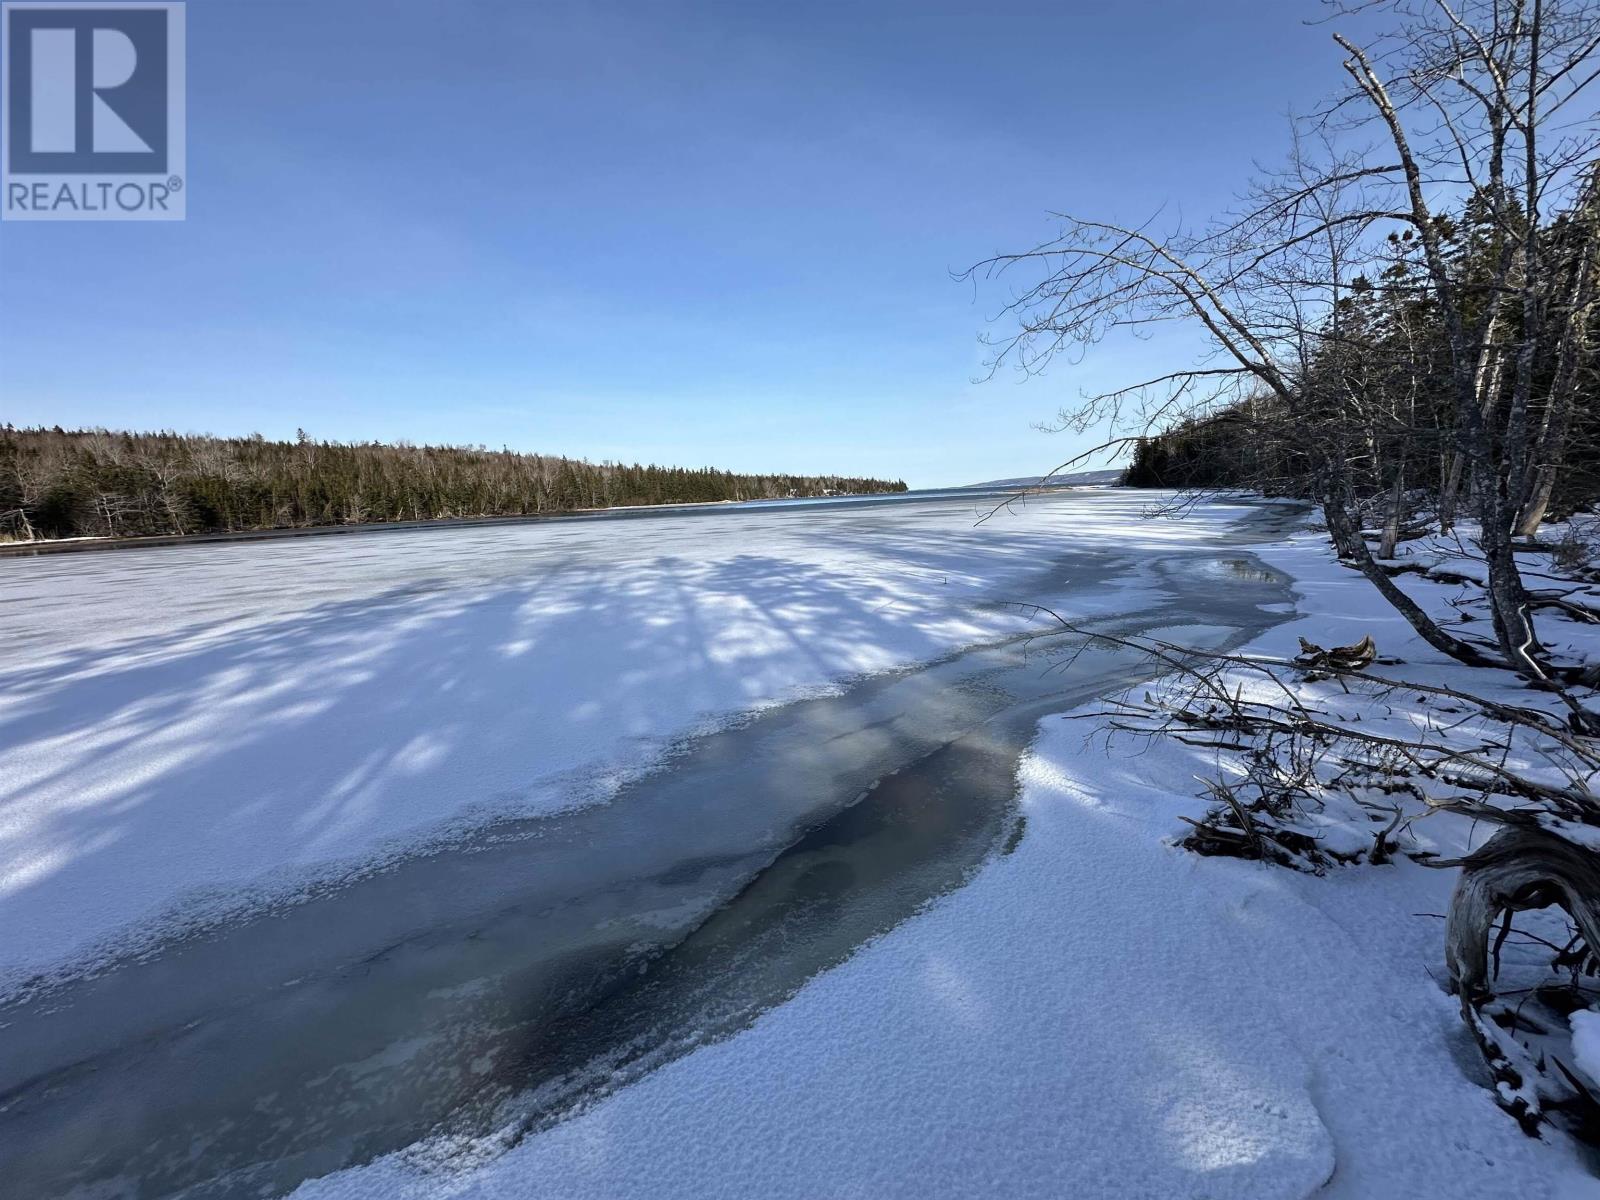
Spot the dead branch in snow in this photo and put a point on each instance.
(1339, 660)
(1517, 767)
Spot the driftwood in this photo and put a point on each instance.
(1522, 867)
(1341, 658)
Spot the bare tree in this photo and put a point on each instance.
(1401, 321)
(1469, 107)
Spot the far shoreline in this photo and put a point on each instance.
(46, 546)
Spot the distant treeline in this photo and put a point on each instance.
(57, 483)
(1373, 407)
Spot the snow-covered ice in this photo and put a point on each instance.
(184, 729)
(1096, 1014)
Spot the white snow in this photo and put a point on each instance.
(1097, 1014)
(183, 729)
(1586, 1041)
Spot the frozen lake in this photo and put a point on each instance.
(314, 847)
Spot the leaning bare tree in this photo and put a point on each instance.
(1473, 110)
(1402, 318)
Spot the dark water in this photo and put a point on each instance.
(545, 962)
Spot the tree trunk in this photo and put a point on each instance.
(1347, 539)
(1508, 598)
(1551, 445)
(1485, 391)
(1391, 524)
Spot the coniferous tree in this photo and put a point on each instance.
(56, 483)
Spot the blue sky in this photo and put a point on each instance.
(694, 233)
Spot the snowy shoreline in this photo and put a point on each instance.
(1098, 1013)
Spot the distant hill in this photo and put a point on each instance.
(1077, 479)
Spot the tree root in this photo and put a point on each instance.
(1521, 867)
